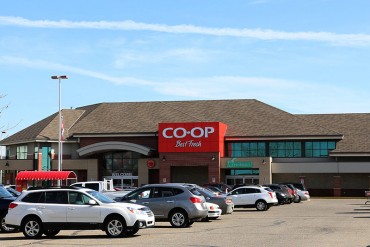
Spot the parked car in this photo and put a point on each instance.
(170, 202)
(302, 191)
(214, 211)
(215, 190)
(241, 185)
(5, 199)
(47, 211)
(283, 194)
(224, 201)
(102, 186)
(253, 196)
(223, 187)
(12, 191)
(297, 198)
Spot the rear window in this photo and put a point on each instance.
(194, 191)
(268, 189)
(37, 197)
(300, 186)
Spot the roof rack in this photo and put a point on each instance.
(53, 187)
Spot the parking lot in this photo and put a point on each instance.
(319, 222)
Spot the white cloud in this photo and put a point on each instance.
(295, 96)
(261, 34)
(39, 64)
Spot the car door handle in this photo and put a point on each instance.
(71, 208)
(145, 203)
(170, 201)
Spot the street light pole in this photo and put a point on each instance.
(59, 77)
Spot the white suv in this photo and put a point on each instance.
(47, 211)
(262, 198)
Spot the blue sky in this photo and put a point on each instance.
(299, 56)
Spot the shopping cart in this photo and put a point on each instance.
(367, 194)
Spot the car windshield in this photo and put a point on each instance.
(100, 197)
(4, 193)
(13, 191)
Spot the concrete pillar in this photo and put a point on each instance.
(337, 191)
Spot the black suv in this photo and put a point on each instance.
(5, 199)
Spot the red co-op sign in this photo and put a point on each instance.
(191, 137)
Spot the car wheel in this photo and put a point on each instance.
(179, 219)
(51, 232)
(131, 232)
(298, 199)
(116, 227)
(3, 227)
(32, 227)
(261, 206)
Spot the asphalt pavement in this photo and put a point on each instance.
(317, 223)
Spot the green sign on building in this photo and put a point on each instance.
(238, 164)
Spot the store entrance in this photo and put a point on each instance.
(123, 182)
(242, 179)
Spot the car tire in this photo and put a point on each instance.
(298, 200)
(3, 227)
(51, 232)
(132, 232)
(261, 205)
(115, 227)
(191, 222)
(32, 227)
(179, 219)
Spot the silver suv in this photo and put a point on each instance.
(170, 202)
(262, 198)
(47, 211)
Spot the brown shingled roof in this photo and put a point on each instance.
(248, 118)
(354, 126)
(244, 118)
(46, 129)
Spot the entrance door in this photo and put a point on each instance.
(242, 179)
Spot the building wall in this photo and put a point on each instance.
(168, 160)
(147, 141)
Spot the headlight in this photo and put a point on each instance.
(136, 211)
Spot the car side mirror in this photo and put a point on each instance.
(92, 202)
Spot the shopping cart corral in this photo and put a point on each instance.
(367, 194)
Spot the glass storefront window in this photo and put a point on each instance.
(247, 149)
(319, 148)
(121, 162)
(281, 149)
(285, 149)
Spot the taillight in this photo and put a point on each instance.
(12, 205)
(195, 200)
(270, 193)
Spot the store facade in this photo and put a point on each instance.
(238, 142)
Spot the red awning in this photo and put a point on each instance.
(46, 175)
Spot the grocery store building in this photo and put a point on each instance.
(229, 141)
